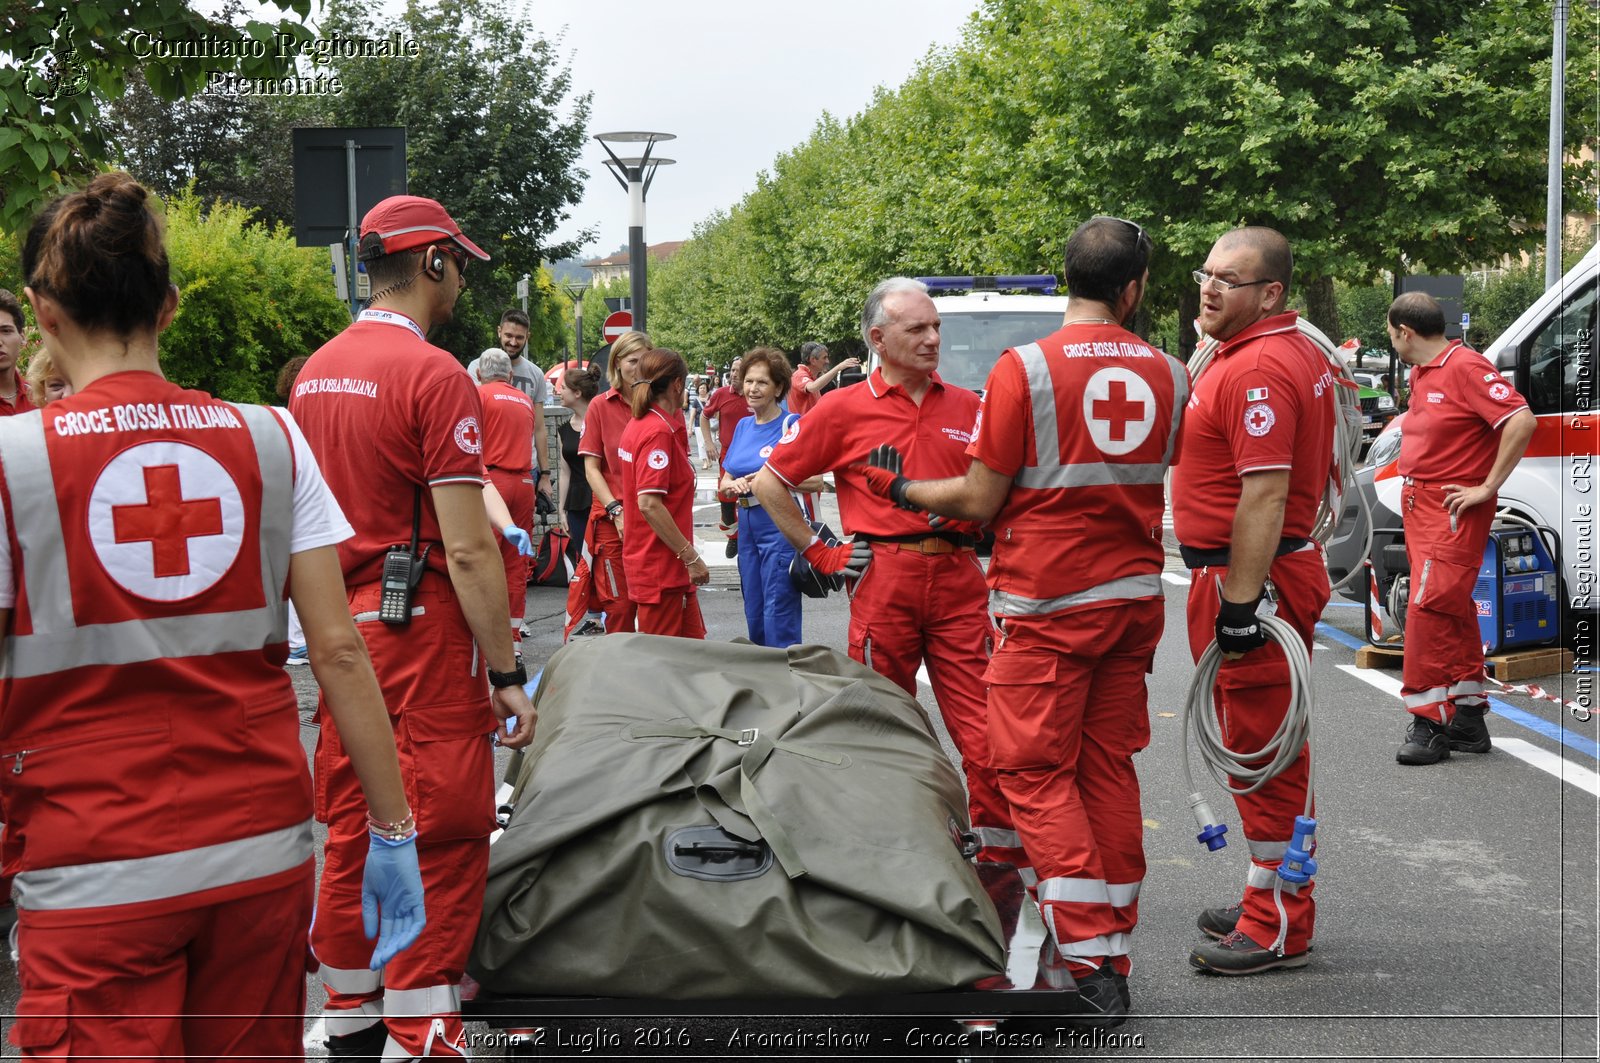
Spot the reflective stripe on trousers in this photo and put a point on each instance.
(150, 878)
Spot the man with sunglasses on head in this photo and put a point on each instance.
(1072, 443)
(1257, 452)
(13, 393)
(397, 425)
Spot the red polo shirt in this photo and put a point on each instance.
(507, 427)
(1458, 403)
(845, 424)
(801, 400)
(654, 459)
(727, 407)
(22, 403)
(1264, 403)
(386, 412)
(608, 417)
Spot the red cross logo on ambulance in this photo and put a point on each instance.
(1119, 408)
(166, 520)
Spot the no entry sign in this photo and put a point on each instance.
(615, 325)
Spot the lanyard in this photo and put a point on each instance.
(389, 318)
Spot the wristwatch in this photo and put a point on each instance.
(518, 677)
(613, 508)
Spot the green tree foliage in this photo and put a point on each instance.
(1408, 136)
(490, 132)
(251, 300)
(72, 58)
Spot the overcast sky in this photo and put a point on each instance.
(738, 81)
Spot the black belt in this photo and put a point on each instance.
(1193, 558)
(953, 538)
(502, 468)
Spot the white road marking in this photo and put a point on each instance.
(1175, 579)
(922, 676)
(1543, 759)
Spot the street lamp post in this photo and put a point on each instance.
(634, 174)
(1558, 93)
(576, 292)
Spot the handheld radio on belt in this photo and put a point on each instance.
(402, 571)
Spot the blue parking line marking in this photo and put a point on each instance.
(1550, 730)
(1344, 639)
(1553, 731)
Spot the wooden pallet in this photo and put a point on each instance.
(1506, 667)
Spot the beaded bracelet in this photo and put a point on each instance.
(393, 832)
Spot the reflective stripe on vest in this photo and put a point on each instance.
(1004, 603)
(1048, 471)
(154, 878)
(58, 644)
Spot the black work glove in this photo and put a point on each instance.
(1239, 628)
(882, 473)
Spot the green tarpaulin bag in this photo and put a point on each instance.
(700, 820)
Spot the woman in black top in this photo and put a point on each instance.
(578, 387)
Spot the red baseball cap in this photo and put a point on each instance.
(404, 223)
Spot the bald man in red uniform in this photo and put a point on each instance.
(1466, 429)
(922, 602)
(1257, 452)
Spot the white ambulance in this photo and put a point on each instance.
(1548, 353)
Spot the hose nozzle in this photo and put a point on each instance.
(1211, 832)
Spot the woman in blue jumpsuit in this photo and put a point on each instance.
(771, 602)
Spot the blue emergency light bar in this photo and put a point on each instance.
(1044, 283)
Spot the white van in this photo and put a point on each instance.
(1548, 353)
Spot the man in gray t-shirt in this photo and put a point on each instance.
(527, 378)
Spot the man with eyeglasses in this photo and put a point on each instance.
(1257, 453)
(13, 393)
(396, 424)
(1069, 454)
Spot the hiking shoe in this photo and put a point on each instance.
(1102, 998)
(1237, 954)
(1219, 922)
(588, 628)
(297, 656)
(732, 549)
(1468, 732)
(365, 1044)
(1425, 743)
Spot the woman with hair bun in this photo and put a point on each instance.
(664, 568)
(165, 890)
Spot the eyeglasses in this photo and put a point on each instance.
(459, 254)
(1202, 278)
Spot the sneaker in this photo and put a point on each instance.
(1425, 743)
(1220, 922)
(1102, 999)
(297, 655)
(1237, 954)
(588, 628)
(732, 549)
(1468, 732)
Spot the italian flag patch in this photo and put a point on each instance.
(1255, 394)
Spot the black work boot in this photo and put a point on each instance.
(1425, 743)
(363, 1044)
(1469, 731)
(1102, 999)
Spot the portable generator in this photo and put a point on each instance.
(1517, 592)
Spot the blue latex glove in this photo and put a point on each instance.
(391, 898)
(518, 538)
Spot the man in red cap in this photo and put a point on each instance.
(397, 425)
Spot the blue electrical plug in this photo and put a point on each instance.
(1211, 832)
(1297, 865)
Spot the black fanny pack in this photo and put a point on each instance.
(1193, 558)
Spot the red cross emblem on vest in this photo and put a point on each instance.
(167, 521)
(1118, 410)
